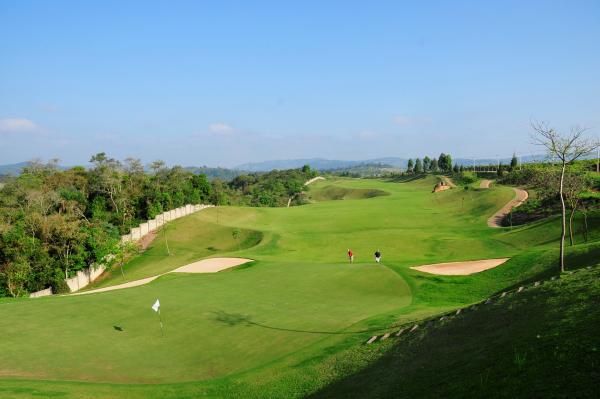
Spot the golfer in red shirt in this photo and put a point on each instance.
(350, 255)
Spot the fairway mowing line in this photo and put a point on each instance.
(460, 268)
(211, 265)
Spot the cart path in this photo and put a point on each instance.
(211, 265)
(485, 183)
(520, 197)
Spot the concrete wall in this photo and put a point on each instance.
(85, 277)
(46, 292)
(144, 229)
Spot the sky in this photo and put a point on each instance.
(223, 83)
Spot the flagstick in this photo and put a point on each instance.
(162, 334)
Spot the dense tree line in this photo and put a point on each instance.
(441, 164)
(55, 222)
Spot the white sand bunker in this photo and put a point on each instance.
(211, 265)
(460, 268)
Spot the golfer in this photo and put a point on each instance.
(377, 256)
(350, 255)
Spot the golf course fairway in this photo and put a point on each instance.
(268, 328)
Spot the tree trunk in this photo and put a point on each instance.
(571, 226)
(564, 218)
(585, 226)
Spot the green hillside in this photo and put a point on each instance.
(289, 324)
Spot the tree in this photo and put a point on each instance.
(500, 169)
(445, 162)
(418, 166)
(514, 162)
(456, 168)
(574, 185)
(426, 163)
(409, 166)
(16, 275)
(566, 148)
(434, 165)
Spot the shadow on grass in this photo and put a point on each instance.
(406, 179)
(235, 319)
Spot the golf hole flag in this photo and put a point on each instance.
(156, 308)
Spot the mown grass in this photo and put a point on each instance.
(281, 326)
(540, 343)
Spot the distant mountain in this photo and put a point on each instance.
(12, 169)
(215, 173)
(396, 162)
(315, 163)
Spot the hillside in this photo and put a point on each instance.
(542, 342)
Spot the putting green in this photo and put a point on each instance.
(300, 299)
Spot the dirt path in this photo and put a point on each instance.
(485, 183)
(211, 265)
(520, 197)
(460, 268)
(314, 179)
(146, 240)
(448, 181)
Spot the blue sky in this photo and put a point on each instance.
(223, 83)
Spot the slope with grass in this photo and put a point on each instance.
(278, 326)
(542, 342)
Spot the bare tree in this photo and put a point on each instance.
(567, 148)
(574, 185)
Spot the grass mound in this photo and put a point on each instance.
(542, 342)
(334, 193)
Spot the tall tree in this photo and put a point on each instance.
(445, 162)
(566, 148)
(418, 166)
(410, 166)
(514, 162)
(426, 163)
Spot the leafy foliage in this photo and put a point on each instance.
(55, 222)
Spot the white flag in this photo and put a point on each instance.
(156, 306)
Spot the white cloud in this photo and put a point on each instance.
(220, 128)
(10, 125)
(403, 120)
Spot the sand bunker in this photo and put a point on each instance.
(460, 268)
(211, 265)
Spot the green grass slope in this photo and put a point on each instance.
(215, 324)
(283, 325)
(542, 342)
